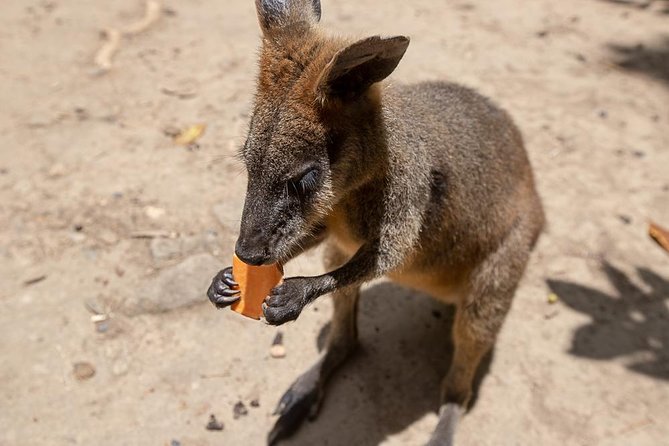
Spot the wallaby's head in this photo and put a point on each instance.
(315, 112)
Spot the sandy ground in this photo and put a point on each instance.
(85, 165)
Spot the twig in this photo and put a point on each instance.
(104, 56)
(34, 280)
(153, 234)
(151, 15)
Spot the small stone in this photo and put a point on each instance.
(56, 171)
(108, 237)
(214, 424)
(239, 410)
(154, 212)
(553, 298)
(625, 219)
(255, 403)
(81, 113)
(120, 367)
(83, 370)
(277, 351)
(175, 287)
(165, 248)
(175, 443)
(76, 237)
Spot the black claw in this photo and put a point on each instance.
(222, 294)
(228, 292)
(227, 277)
(283, 402)
(293, 412)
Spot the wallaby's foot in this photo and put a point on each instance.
(286, 301)
(300, 402)
(223, 291)
(443, 435)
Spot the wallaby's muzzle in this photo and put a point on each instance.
(252, 248)
(254, 245)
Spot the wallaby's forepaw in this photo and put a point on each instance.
(301, 401)
(286, 301)
(223, 291)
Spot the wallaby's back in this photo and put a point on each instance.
(481, 182)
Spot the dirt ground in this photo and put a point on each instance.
(103, 218)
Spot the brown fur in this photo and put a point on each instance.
(428, 184)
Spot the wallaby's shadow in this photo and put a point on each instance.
(395, 377)
(633, 321)
(652, 60)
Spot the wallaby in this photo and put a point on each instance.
(427, 184)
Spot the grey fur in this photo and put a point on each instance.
(428, 184)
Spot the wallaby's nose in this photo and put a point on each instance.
(251, 252)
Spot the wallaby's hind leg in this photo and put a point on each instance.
(473, 337)
(303, 399)
(477, 321)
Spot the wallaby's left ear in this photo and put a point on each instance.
(276, 14)
(355, 68)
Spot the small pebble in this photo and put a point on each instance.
(56, 171)
(255, 403)
(625, 219)
(83, 370)
(214, 424)
(277, 350)
(154, 212)
(239, 410)
(175, 443)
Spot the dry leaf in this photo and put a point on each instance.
(190, 135)
(659, 234)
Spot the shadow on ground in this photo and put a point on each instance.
(395, 377)
(650, 60)
(633, 322)
(643, 4)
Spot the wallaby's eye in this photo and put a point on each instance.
(309, 180)
(304, 183)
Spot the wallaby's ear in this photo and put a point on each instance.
(274, 14)
(355, 68)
